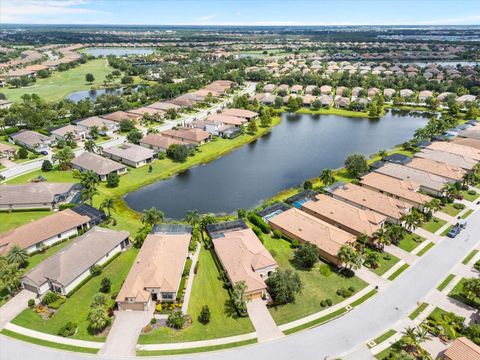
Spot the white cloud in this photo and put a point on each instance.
(239, 13)
(206, 17)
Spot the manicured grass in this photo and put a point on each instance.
(364, 298)
(316, 322)
(209, 290)
(437, 315)
(418, 311)
(385, 262)
(469, 197)
(316, 287)
(384, 336)
(196, 350)
(77, 307)
(410, 242)
(449, 209)
(467, 214)
(49, 344)
(62, 83)
(445, 282)
(425, 249)
(389, 353)
(398, 272)
(434, 224)
(456, 293)
(15, 219)
(470, 257)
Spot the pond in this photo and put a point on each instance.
(92, 94)
(295, 150)
(118, 51)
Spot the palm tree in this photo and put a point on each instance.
(349, 257)
(90, 146)
(152, 216)
(192, 217)
(372, 259)
(94, 132)
(433, 205)
(327, 177)
(395, 233)
(17, 255)
(383, 154)
(64, 157)
(89, 179)
(469, 178)
(381, 239)
(362, 239)
(205, 221)
(411, 221)
(69, 137)
(449, 190)
(88, 193)
(107, 204)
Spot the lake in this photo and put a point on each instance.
(118, 51)
(295, 150)
(92, 94)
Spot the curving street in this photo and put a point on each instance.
(338, 337)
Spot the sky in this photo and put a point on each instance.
(242, 12)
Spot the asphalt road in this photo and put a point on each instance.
(337, 337)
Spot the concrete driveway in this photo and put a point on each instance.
(262, 321)
(123, 335)
(14, 307)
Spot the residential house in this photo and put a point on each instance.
(449, 158)
(7, 151)
(364, 198)
(44, 232)
(450, 172)
(269, 88)
(65, 270)
(303, 227)
(451, 147)
(157, 272)
(242, 113)
(119, 116)
(424, 95)
(406, 93)
(32, 140)
(236, 121)
(160, 143)
(189, 135)
(78, 133)
(164, 106)
(104, 126)
(344, 216)
(342, 102)
(101, 166)
(429, 183)
(130, 154)
(325, 90)
(461, 349)
(41, 195)
(244, 258)
(404, 190)
(465, 99)
(473, 143)
(309, 89)
(146, 110)
(296, 89)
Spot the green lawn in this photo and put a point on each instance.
(449, 209)
(398, 272)
(208, 290)
(467, 214)
(410, 241)
(418, 311)
(470, 257)
(388, 334)
(15, 219)
(425, 249)
(196, 350)
(469, 197)
(385, 262)
(62, 83)
(434, 224)
(456, 293)
(49, 344)
(316, 287)
(445, 282)
(77, 307)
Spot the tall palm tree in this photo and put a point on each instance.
(64, 157)
(381, 239)
(349, 257)
(94, 132)
(433, 205)
(90, 146)
(88, 193)
(205, 221)
(17, 255)
(327, 177)
(192, 217)
(107, 204)
(383, 154)
(395, 233)
(152, 216)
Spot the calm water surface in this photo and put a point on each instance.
(297, 149)
(118, 51)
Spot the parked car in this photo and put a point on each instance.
(462, 223)
(454, 231)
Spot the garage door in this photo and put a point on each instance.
(31, 288)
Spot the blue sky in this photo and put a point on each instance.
(242, 12)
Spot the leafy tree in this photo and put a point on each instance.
(176, 320)
(178, 152)
(205, 315)
(278, 103)
(94, 132)
(308, 185)
(306, 255)
(106, 285)
(283, 286)
(47, 166)
(9, 276)
(135, 136)
(293, 104)
(252, 127)
(172, 114)
(471, 290)
(22, 153)
(64, 158)
(99, 300)
(127, 125)
(192, 217)
(98, 319)
(89, 78)
(127, 80)
(238, 297)
(356, 165)
(152, 217)
(113, 180)
(17, 255)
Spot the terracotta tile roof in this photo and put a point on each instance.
(192, 134)
(118, 116)
(159, 264)
(437, 168)
(458, 149)
(227, 119)
(327, 237)
(160, 141)
(474, 143)
(146, 110)
(42, 229)
(247, 114)
(447, 158)
(241, 253)
(361, 221)
(405, 189)
(373, 200)
(163, 106)
(462, 349)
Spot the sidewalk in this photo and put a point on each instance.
(407, 257)
(191, 275)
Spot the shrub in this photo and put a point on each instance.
(258, 232)
(56, 304)
(113, 180)
(325, 270)
(352, 289)
(68, 329)
(176, 320)
(472, 192)
(22, 153)
(295, 243)
(158, 308)
(195, 269)
(258, 221)
(347, 293)
(340, 292)
(99, 300)
(205, 315)
(47, 166)
(306, 255)
(329, 302)
(49, 298)
(106, 285)
(277, 234)
(153, 321)
(459, 206)
(95, 270)
(477, 265)
(31, 303)
(323, 303)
